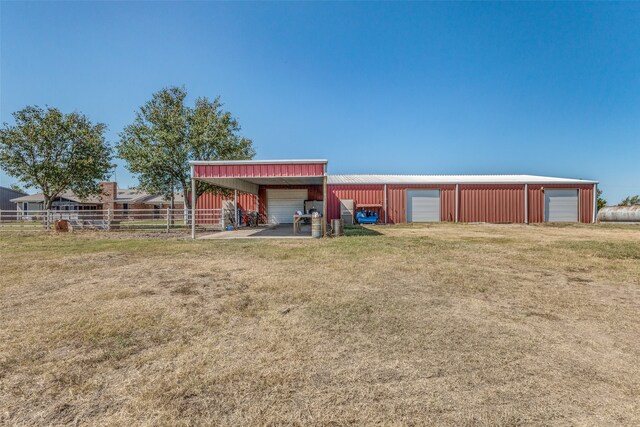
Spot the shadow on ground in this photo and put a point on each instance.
(284, 230)
(358, 230)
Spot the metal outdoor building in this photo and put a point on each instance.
(400, 198)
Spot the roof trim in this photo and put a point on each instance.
(256, 162)
(452, 179)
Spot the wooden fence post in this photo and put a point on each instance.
(168, 215)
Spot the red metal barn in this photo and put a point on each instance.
(279, 188)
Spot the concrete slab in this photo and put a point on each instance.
(281, 231)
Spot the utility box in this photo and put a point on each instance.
(347, 211)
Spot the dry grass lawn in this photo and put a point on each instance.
(443, 324)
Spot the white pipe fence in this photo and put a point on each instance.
(114, 219)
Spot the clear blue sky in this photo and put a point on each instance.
(429, 88)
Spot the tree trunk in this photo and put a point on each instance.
(187, 199)
(48, 201)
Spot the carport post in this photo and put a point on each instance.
(324, 202)
(595, 203)
(257, 209)
(193, 206)
(235, 207)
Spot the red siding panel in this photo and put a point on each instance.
(258, 170)
(586, 204)
(396, 199)
(246, 201)
(491, 203)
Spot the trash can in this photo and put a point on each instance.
(316, 226)
(337, 227)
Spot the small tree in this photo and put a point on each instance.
(630, 201)
(166, 135)
(601, 201)
(55, 152)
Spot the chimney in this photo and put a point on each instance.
(108, 193)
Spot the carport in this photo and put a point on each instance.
(258, 177)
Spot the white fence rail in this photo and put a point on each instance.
(114, 219)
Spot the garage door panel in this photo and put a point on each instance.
(561, 205)
(423, 206)
(282, 204)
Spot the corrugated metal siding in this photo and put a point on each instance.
(536, 202)
(491, 203)
(370, 194)
(586, 204)
(246, 201)
(6, 194)
(258, 170)
(397, 201)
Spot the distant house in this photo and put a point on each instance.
(111, 197)
(6, 196)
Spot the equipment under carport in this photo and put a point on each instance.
(368, 213)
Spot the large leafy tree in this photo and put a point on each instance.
(630, 201)
(55, 152)
(166, 134)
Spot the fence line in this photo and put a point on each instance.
(115, 219)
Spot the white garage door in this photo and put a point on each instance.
(561, 205)
(423, 205)
(283, 204)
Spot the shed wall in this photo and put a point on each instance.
(491, 203)
(314, 193)
(478, 203)
(397, 201)
(360, 194)
(536, 201)
(247, 201)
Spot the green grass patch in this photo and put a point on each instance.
(358, 230)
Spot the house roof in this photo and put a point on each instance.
(68, 195)
(125, 195)
(160, 199)
(452, 179)
(131, 195)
